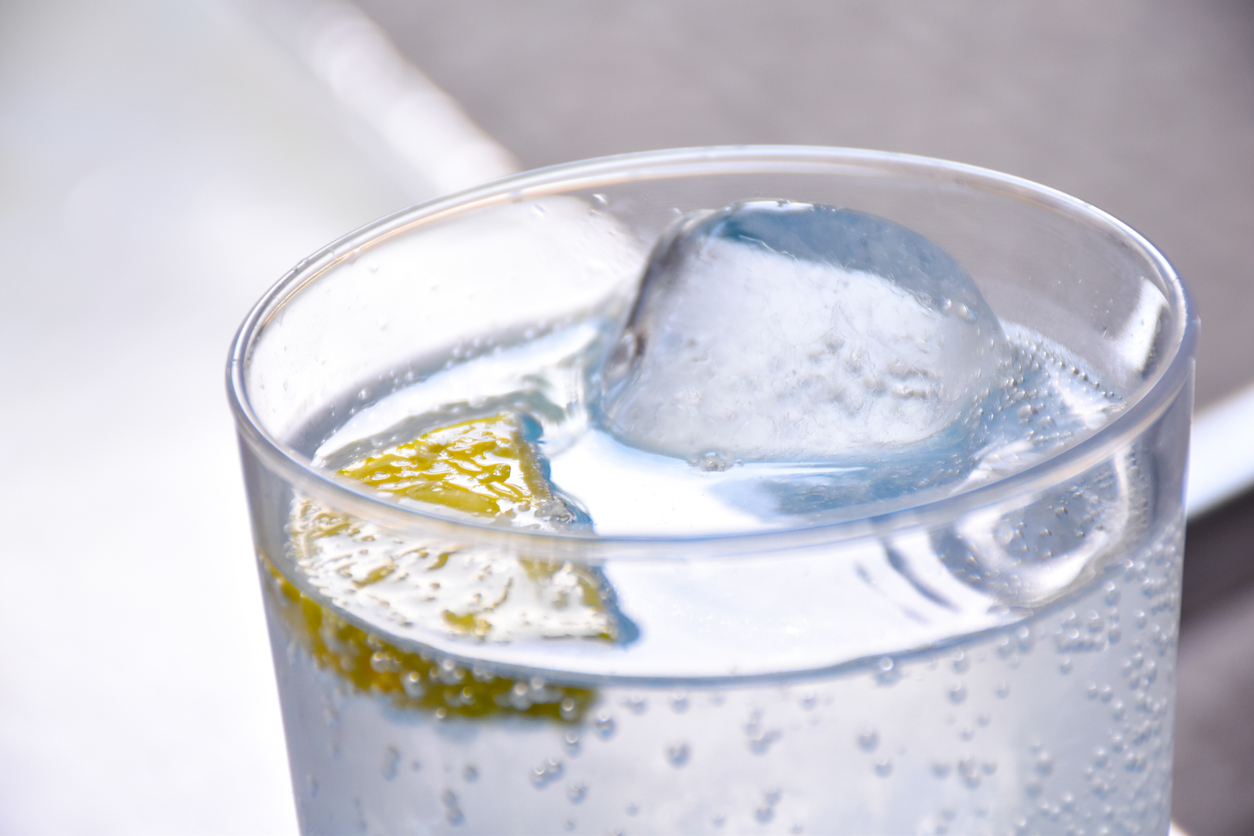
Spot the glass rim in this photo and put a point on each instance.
(1149, 401)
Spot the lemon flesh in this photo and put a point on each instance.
(481, 466)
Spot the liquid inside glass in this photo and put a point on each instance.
(909, 684)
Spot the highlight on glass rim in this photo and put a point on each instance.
(731, 490)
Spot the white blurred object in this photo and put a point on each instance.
(369, 77)
(1221, 456)
(161, 164)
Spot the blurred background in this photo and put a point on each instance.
(163, 163)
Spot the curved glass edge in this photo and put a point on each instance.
(1148, 404)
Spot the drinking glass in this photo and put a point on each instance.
(1000, 659)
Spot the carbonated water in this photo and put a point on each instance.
(1008, 671)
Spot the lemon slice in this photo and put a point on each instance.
(485, 467)
(416, 680)
(481, 466)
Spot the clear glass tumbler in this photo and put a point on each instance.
(999, 660)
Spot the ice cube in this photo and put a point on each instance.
(780, 331)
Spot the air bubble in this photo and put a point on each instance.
(941, 769)
(545, 773)
(883, 767)
(411, 683)
(471, 773)
(567, 708)
(391, 762)
(760, 740)
(679, 702)
(1002, 690)
(677, 754)
(969, 769)
(604, 725)
(636, 704)
(868, 739)
(957, 693)
(633, 808)
(1064, 665)
(576, 793)
(713, 461)
(961, 662)
(452, 812)
(571, 739)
